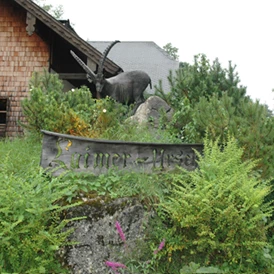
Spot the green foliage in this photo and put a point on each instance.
(208, 98)
(171, 51)
(74, 112)
(235, 189)
(148, 187)
(77, 113)
(56, 12)
(189, 84)
(31, 228)
(250, 123)
(215, 217)
(22, 153)
(195, 268)
(49, 108)
(106, 116)
(256, 135)
(80, 100)
(115, 184)
(85, 185)
(202, 79)
(44, 104)
(216, 115)
(133, 132)
(218, 212)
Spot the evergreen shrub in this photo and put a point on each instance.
(74, 112)
(250, 123)
(44, 107)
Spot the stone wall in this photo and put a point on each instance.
(20, 55)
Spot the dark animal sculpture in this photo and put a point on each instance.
(126, 87)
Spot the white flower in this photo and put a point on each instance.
(72, 89)
(104, 110)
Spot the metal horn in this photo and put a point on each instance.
(84, 66)
(107, 50)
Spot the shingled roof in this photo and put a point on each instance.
(146, 56)
(68, 34)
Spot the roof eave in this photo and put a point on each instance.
(68, 35)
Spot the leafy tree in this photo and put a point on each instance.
(171, 51)
(56, 12)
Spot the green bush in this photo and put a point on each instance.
(43, 105)
(202, 79)
(250, 123)
(31, 228)
(208, 98)
(189, 84)
(74, 112)
(218, 213)
(49, 108)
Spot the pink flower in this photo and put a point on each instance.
(162, 244)
(114, 265)
(120, 231)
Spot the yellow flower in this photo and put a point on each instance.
(68, 145)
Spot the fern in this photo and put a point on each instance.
(31, 229)
(219, 213)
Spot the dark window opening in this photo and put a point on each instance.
(3, 104)
(3, 116)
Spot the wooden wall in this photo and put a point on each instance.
(20, 55)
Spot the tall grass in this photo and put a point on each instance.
(22, 153)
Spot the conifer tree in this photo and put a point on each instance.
(202, 79)
(171, 51)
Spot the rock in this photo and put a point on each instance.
(97, 236)
(151, 110)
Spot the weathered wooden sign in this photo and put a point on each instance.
(62, 152)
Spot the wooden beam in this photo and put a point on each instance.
(72, 76)
(31, 21)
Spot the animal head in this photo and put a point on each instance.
(98, 79)
(126, 88)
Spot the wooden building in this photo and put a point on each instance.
(32, 40)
